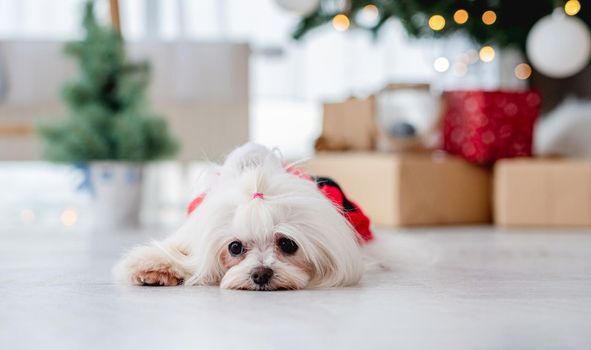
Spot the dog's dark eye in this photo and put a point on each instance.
(235, 248)
(287, 245)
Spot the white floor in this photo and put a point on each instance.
(486, 289)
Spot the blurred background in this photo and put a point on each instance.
(108, 108)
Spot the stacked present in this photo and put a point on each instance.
(483, 126)
(410, 189)
(481, 171)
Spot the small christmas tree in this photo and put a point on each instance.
(108, 118)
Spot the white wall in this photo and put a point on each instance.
(288, 79)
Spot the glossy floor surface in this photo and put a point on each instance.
(479, 289)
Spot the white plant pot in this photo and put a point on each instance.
(116, 190)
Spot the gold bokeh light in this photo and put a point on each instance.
(372, 9)
(341, 22)
(437, 22)
(522, 71)
(572, 7)
(461, 16)
(489, 17)
(487, 54)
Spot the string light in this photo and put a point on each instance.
(341, 22)
(437, 22)
(522, 71)
(371, 8)
(441, 64)
(487, 54)
(572, 7)
(464, 57)
(472, 56)
(489, 17)
(369, 16)
(460, 69)
(69, 217)
(461, 16)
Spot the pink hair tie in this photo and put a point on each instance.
(258, 195)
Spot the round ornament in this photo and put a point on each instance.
(559, 46)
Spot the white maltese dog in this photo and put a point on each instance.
(258, 225)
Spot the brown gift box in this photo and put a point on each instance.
(409, 189)
(542, 192)
(348, 125)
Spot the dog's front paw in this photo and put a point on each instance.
(150, 265)
(156, 278)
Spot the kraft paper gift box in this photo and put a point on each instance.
(409, 189)
(348, 125)
(542, 192)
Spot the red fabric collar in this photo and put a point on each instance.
(351, 211)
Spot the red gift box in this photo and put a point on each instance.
(483, 126)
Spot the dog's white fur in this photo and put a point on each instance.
(329, 253)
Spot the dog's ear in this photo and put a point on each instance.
(251, 155)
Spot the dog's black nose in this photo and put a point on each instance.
(261, 275)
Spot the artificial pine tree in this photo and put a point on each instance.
(108, 114)
(514, 18)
